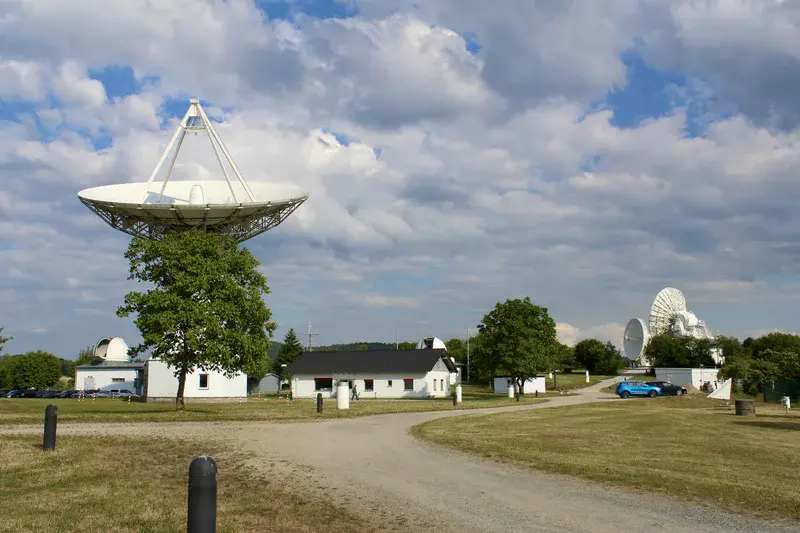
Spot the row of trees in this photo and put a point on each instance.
(32, 370)
(753, 362)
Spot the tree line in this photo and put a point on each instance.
(752, 363)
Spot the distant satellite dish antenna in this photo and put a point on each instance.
(635, 339)
(667, 304)
(230, 207)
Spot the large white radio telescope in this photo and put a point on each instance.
(230, 207)
(668, 314)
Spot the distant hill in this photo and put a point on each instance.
(366, 346)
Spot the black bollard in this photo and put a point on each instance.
(455, 399)
(202, 496)
(319, 402)
(536, 393)
(50, 419)
(518, 395)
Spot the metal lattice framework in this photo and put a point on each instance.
(240, 228)
(136, 210)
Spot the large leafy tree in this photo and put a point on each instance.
(31, 370)
(598, 357)
(666, 351)
(205, 310)
(517, 337)
(290, 351)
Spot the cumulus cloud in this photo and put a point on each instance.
(454, 152)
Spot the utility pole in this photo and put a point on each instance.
(396, 343)
(310, 335)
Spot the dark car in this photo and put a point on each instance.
(16, 393)
(30, 393)
(668, 388)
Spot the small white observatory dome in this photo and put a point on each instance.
(112, 349)
(431, 343)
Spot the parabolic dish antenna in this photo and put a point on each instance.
(635, 339)
(667, 303)
(230, 207)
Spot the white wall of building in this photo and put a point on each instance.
(687, 376)
(105, 378)
(435, 383)
(502, 383)
(163, 385)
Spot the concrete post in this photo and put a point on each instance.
(202, 496)
(342, 395)
(458, 394)
(587, 376)
(511, 391)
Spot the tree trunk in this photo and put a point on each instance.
(179, 405)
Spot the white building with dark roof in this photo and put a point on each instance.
(426, 373)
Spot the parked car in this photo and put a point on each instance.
(626, 389)
(668, 388)
(29, 393)
(16, 393)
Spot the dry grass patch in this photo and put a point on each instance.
(268, 409)
(684, 447)
(140, 485)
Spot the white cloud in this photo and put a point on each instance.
(463, 180)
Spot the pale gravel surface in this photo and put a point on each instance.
(374, 466)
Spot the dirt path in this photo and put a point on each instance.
(374, 465)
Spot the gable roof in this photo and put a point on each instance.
(375, 361)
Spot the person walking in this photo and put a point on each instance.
(355, 392)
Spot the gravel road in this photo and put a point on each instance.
(397, 483)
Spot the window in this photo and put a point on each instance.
(388, 382)
(408, 384)
(117, 380)
(434, 385)
(323, 384)
(203, 381)
(441, 385)
(369, 385)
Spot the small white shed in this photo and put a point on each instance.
(688, 376)
(531, 386)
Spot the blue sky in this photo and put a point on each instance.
(455, 155)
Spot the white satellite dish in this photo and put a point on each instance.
(230, 207)
(635, 339)
(668, 303)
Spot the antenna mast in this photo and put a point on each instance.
(310, 335)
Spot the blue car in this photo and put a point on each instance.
(626, 389)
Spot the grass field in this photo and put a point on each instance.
(116, 484)
(575, 380)
(31, 410)
(684, 447)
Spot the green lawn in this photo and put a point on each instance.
(31, 410)
(574, 380)
(684, 447)
(121, 484)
